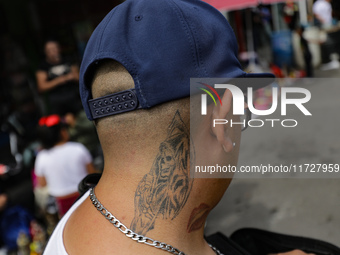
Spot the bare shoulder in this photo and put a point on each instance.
(84, 233)
(87, 232)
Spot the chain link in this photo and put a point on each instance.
(134, 236)
(215, 250)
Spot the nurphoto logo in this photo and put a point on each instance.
(239, 100)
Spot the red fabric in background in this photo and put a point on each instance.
(232, 4)
(65, 203)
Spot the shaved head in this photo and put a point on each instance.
(132, 129)
(110, 77)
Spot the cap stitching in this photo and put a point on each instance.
(108, 20)
(187, 30)
(198, 47)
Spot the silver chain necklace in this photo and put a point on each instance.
(134, 236)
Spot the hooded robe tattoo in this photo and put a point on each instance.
(165, 189)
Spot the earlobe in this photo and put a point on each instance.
(222, 132)
(228, 145)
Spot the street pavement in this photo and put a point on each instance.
(308, 206)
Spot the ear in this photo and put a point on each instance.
(221, 132)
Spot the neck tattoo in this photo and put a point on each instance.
(134, 236)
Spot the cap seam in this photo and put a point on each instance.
(199, 51)
(107, 22)
(187, 30)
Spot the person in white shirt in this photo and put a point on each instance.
(61, 165)
(322, 10)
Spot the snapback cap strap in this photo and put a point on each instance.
(120, 102)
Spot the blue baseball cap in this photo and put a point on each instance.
(162, 44)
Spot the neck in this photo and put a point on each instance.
(147, 187)
(157, 212)
(61, 142)
(184, 232)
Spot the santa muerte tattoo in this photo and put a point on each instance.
(163, 191)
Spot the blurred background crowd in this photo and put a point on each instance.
(41, 47)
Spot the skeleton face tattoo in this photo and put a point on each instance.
(165, 189)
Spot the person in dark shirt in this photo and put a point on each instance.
(57, 80)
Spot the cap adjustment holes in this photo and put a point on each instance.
(114, 104)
